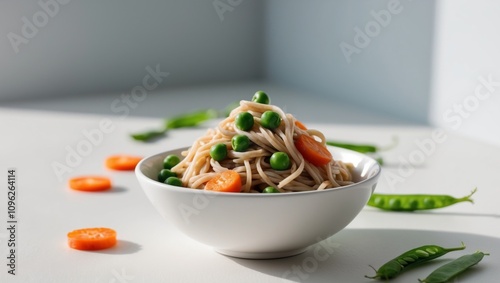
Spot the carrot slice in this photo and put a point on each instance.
(300, 125)
(122, 162)
(227, 181)
(90, 183)
(312, 150)
(91, 239)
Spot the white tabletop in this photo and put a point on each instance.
(34, 137)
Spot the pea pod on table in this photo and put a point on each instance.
(412, 202)
(364, 148)
(185, 120)
(414, 256)
(190, 119)
(148, 135)
(450, 270)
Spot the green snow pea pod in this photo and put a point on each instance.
(450, 270)
(407, 202)
(412, 257)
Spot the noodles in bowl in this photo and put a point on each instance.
(305, 165)
(283, 173)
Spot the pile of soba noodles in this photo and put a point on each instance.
(253, 165)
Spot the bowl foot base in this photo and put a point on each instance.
(263, 255)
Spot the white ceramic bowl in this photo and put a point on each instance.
(260, 225)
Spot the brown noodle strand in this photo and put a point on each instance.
(249, 176)
(198, 167)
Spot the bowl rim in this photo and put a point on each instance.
(163, 186)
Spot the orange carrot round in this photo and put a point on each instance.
(312, 150)
(91, 239)
(227, 181)
(122, 162)
(90, 183)
(300, 125)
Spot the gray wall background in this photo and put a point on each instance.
(391, 74)
(95, 46)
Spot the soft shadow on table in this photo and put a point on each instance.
(347, 256)
(289, 268)
(122, 247)
(319, 263)
(115, 190)
(479, 214)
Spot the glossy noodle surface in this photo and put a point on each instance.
(198, 167)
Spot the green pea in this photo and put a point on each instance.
(261, 97)
(378, 201)
(280, 161)
(164, 174)
(170, 161)
(422, 253)
(395, 203)
(270, 190)
(240, 143)
(429, 202)
(402, 261)
(244, 121)
(218, 151)
(413, 204)
(431, 250)
(174, 181)
(409, 259)
(270, 120)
